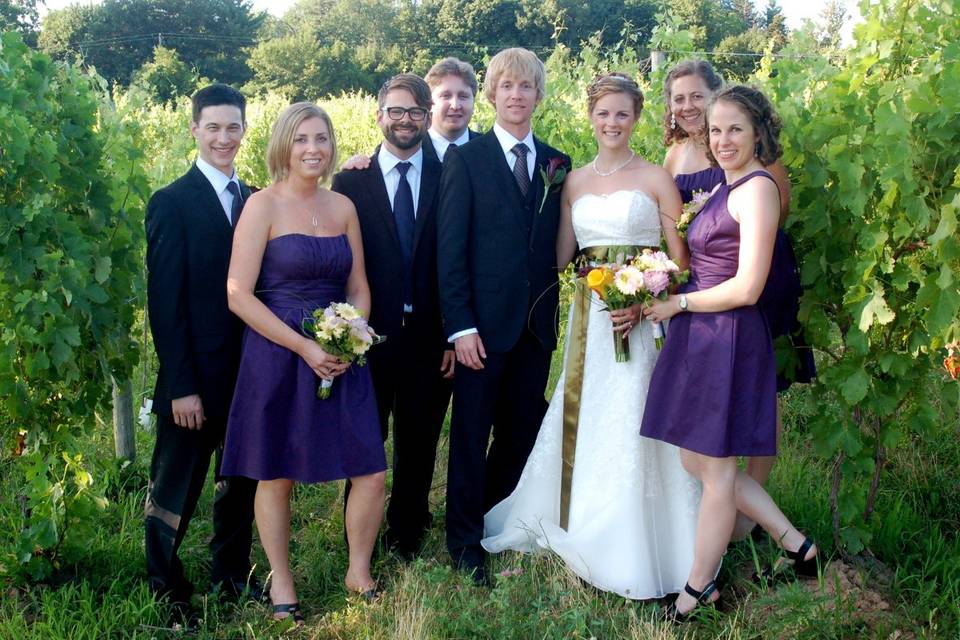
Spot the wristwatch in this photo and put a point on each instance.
(683, 302)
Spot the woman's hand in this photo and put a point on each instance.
(661, 310)
(323, 364)
(625, 319)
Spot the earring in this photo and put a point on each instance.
(673, 121)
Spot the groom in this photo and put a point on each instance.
(498, 292)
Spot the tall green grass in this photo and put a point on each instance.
(102, 594)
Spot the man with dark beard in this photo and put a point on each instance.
(396, 197)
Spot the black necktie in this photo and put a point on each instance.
(237, 203)
(404, 218)
(520, 168)
(446, 154)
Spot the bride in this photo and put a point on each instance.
(630, 509)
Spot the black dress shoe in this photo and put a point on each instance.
(234, 588)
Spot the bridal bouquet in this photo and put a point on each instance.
(638, 280)
(690, 211)
(342, 332)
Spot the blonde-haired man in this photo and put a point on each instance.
(498, 291)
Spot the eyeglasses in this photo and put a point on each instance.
(396, 113)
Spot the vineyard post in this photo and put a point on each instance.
(123, 433)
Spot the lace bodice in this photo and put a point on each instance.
(625, 217)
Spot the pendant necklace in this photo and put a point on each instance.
(314, 222)
(604, 174)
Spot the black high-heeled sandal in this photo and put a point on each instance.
(672, 614)
(801, 565)
(293, 612)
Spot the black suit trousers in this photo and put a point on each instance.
(507, 395)
(409, 386)
(178, 470)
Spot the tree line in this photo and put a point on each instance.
(325, 47)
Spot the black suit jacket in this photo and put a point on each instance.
(497, 253)
(196, 337)
(430, 151)
(381, 249)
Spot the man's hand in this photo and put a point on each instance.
(448, 362)
(188, 412)
(358, 161)
(470, 351)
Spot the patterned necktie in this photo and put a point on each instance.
(403, 216)
(520, 168)
(237, 203)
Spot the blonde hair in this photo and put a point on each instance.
(611, 83)
(281, 139)
(517, 62)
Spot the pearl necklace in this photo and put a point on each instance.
(604, 174)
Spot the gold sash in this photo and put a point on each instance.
(576, 356)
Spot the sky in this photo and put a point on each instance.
(794, 10)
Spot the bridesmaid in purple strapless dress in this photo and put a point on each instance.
(277, 426)
(298, 248)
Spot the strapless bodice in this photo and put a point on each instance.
(625, 217)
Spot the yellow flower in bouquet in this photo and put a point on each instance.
(599, 279)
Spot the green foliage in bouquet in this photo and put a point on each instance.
(71, 211)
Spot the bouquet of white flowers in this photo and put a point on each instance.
(342, 332)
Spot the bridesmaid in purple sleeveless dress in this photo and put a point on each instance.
(713, 391)
(687, 88)
(297, 248)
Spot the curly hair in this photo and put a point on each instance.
(757, 107)
(700, 68)
(610, 83)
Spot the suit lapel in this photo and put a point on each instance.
(381, 201)
(429, 182)
(538, 185)
(210, 211)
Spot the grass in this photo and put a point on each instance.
(101, 591)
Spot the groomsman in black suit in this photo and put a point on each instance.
(395, 197)
(453, 88)
(189, 227)
(498, 292)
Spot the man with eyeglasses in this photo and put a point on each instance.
(396, 197)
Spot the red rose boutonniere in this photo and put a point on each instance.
(553, 176)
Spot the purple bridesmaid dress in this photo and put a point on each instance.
(713, 389)
(277, 427)
(780, 300)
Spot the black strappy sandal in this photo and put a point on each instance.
(293, 613)
(802, 566)
(672, 614)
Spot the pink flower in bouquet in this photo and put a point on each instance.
(656, 281)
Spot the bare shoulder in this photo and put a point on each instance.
(670, 159)
(339, 206)
(261, 204)
(576, 178)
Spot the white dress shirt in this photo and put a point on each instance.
(391, 179)
(441, 144)
(391, 175)
(219, 183)
(507, 142)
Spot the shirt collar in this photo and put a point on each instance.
(439, 140)
(508, 141)
(388, 161)
(215, 176)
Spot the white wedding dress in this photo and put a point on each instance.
(633, 508)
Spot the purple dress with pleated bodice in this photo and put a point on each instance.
(713, 390)
(780, 300)
(277, 427)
